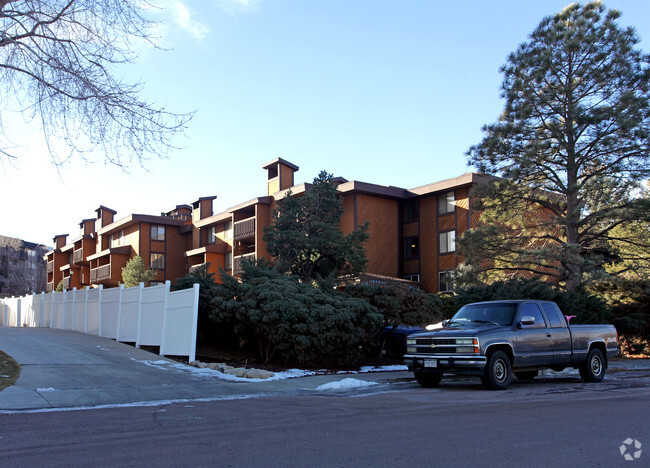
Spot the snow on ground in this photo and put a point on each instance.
(287, 374)
(345, 384)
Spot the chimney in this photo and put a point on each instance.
(105, 216)
(202, 208)
(279, 175)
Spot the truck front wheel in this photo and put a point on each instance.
(498, 371)
(428, 379)
(593, 369)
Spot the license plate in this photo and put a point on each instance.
(430, 363)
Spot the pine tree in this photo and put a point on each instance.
(135, 273)
(571, 148)
(305, 238)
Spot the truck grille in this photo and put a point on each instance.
(438, 346)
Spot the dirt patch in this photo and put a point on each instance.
(9, 370)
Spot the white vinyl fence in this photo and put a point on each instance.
(152, 316)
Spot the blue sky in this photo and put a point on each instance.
(388, 92)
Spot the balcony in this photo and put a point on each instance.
(101, 273)
(78, 256)
(50, 266)
(195, 267)
(244, 229)
(49, 287)
(237, 262)
(66, 283)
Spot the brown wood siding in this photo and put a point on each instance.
(174, 246)
(462, 210)
(286, 177)
(347, 219)
(273, 186)
(429, 243)
(411, 267)
(411, 229)
(263, 220)
(382, 247)
(447, 222)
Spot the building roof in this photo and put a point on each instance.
(139, 218)
(464, 179)
(281, 161)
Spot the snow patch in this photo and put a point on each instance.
(345, 384)
(49, 389)
(103, 349)
(396, 367)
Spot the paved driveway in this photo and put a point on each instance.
(62, 368)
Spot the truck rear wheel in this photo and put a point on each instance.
(498, 371)
(428, 379)
(593, 369)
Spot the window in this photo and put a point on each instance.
(227, 230)
(447, 242)
(554, 315)
(414, 278)
(411, 248)
(157, 261)
(531, 310)
(446, 203)
(445, 281)
(157, 233)
(228, 261)
(212, 235)
(411, 211)
(117, 239)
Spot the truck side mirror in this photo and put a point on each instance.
(527, 320)
(445, 322)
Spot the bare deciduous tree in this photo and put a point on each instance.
(58, 65)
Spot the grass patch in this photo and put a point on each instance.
(9, 370)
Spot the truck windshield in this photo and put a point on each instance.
(498, 314)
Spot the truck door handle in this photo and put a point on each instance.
(549, 335)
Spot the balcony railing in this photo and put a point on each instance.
(50, 266)
(237, 261)
(66, 283)
(101, 273)
(244, 229)
(49, 287)
(77, 256)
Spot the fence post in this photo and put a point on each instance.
(51, 308)
(119, 313)
(65, 300)
(87, 291)
(99, 306)
(164, 327)
(18, 312)
(195, 319)
(137, 334)
(74, 315)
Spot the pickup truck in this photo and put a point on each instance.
(495, 339)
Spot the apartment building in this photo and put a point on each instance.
(412, 233)
(21, 267)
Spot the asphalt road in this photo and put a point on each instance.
(554, 421)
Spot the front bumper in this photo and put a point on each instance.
(457, 364)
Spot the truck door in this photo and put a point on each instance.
(559, 333)
(534, 343)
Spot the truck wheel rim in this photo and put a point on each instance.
(596, 366)
(500, 370)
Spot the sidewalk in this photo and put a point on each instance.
(64, 369)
